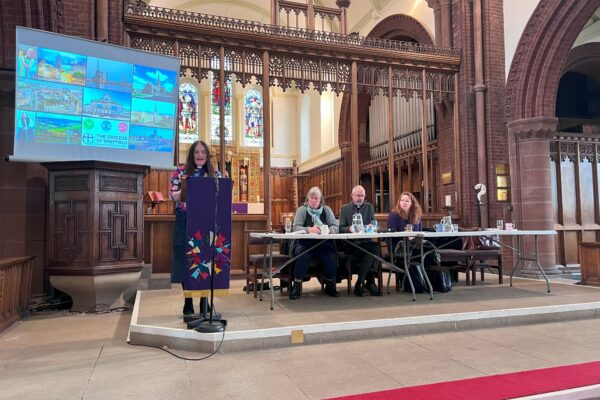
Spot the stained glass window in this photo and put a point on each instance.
(253, 118)
(214, 112)
(188, 113)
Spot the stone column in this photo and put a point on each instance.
(266, 92)
(102, 20)
(437, 14)
(446, 11)
(354, 124)
(529, 155)
(343, 6)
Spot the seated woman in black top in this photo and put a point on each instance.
(312, 217)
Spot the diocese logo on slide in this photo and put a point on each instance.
(100, 132)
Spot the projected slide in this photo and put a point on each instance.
(83, 100)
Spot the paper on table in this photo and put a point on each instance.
(298, 232)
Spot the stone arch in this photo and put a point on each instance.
(402, 26)
(541, 53)
(531, 92)
(582, 56)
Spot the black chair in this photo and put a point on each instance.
(254, 262)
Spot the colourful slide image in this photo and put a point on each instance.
(100, 132)
(106, 103)
(107, 74)
(26, 94)
(27, 61)
(152, 113)
(25, 121)
(49, 97)
(57, 129)
(60, 66)
(150, 139)
(153, 84)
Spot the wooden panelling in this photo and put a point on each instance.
(158, 230)
(575, 193)
(160, 181)
(329, 179)
(586, 189)
(589, 253)
(98, 229)
(15, 289)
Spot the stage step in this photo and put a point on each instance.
(316, 319)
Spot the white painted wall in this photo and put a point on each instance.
(304, 137)
(286, 127)
(315, 123)
(516, 16)
(327, 117)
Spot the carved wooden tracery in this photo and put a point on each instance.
(297, 57)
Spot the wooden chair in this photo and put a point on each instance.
(480, 253)
(473, 256)
(455, 258)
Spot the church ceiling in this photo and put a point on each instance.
(591, 30)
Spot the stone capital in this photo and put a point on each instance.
(479, 87)
(538, 128)
(435, 4)
(342, 3)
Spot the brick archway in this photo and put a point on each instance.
(402, 25)
(531, 92)
(584, 59)
(541, 53)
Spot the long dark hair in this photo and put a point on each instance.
(415, 212)
(190, 165)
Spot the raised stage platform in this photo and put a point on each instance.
(316, 318)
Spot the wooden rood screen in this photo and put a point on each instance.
(297, 56)
(288, 57)
(574, 159)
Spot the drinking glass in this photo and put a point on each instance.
(374, 226)
(499, 224)
(288, 225)
(409, 228)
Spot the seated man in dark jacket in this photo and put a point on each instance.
(367, 263)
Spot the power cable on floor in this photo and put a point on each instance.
(165, 349)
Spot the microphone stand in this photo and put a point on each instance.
(214, 324)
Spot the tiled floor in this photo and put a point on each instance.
(64, 356)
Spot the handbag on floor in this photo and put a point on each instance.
(418, 280)
(441, 281)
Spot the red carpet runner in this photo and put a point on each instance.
(496, 387)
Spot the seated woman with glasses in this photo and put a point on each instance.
(315, 217)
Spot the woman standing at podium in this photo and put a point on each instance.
(198, 164)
